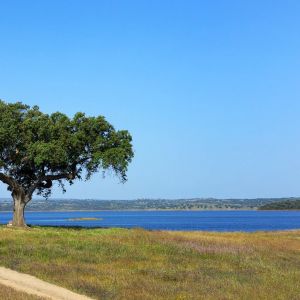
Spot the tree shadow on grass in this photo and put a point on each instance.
(79, 227)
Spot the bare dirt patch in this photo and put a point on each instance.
(31, 285)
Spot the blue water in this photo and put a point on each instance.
(170, 220)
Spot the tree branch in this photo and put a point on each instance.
(50, 178)
(59, 176)
(32, 188)
(8, 180)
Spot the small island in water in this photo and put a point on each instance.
(85, 219)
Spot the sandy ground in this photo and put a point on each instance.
(34, 286)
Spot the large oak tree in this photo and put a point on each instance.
(37, 149)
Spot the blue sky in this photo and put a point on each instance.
(210, 90)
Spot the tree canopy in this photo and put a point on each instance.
(37, 148)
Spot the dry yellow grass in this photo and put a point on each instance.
(10, 294)
(140, 264)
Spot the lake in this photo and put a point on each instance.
(169, 220)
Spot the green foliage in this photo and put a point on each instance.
(37, 148)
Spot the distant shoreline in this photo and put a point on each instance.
(192, 204)
(106, 210)
(110, 210)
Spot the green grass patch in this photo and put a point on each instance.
(140, 264)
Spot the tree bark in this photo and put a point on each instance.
(20, 201)
(20, 196)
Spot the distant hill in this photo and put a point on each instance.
(145, 204)
(281, 205)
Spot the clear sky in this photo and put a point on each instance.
(210, 90)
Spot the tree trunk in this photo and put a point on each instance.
(19, 206)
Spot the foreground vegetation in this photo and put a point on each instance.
(10, 294)
(140, 264)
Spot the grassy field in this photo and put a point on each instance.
(140, 264)
(10, 294)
